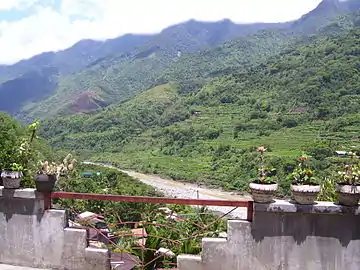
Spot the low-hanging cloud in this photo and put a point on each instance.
(49, 28)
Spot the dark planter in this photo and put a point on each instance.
(263, 193)
(45, 182)
(10, 179)
(348, 195)
(305, 194)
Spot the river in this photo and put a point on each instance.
(184, 190)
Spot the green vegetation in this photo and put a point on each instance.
(92, 75)
(109, 181)
(182, 235)
(17, 152)
(10, 131)
(177, 235)
(108, 83)
(303, 99)
(209, 110)
(203, 117)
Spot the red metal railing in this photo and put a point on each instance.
(144, 199)
(121, 230)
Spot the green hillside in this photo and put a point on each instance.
(304, 98)
(93, 74)
(325, 11)
(118, 79)
(172, 55)
(73, 59)
(115, 124)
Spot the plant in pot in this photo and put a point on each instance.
(348, 189)
(46, 176)
(263, 188)
(304, 187)
(11, 177)
(18, 160)
(49, 172)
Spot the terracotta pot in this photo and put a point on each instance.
(11, 179)
(45, 182)
(348, 195)
(305, 194)
(263, 193)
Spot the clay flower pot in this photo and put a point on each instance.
(263, 193)
(348, 195)
(305, 194)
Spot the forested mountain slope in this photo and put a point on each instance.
(165, 58)
(75, 58)
(119, 77)
(86, 76)
(304, 98)
(325, 11)
(92, 75)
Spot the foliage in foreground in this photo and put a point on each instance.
(20, 148)
(180, 236)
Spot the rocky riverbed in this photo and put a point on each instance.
(178, 189)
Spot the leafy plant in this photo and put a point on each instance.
(351, 173)
(49, 168)
(22, 156)
(15, 167)
(328, 190)
(302, 174)
(61, 169)
(265, 173)
(66, 166)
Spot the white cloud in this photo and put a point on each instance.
(84, 8)
(16, 4)
(48, 29)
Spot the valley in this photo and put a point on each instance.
(97, 139)
(302, 100)
(177, 189)
(91, 75)
(195, 100)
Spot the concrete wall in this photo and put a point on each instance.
(33, 237)
(285, 236)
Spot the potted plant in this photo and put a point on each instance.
(348, 189)
(48, 173)
(263, 188)
(304, 187)
(46, 176)
(11, 177)
(18, 160)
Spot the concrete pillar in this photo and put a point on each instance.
(33, 237)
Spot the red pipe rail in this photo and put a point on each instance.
(143, 199)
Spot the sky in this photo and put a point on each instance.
(29, 27)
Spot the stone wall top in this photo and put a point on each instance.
(25, 193)
(281, 206)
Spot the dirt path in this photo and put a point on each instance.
(185, 190)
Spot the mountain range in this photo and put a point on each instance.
(95, 74)
(303, 99)
(194, 101)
